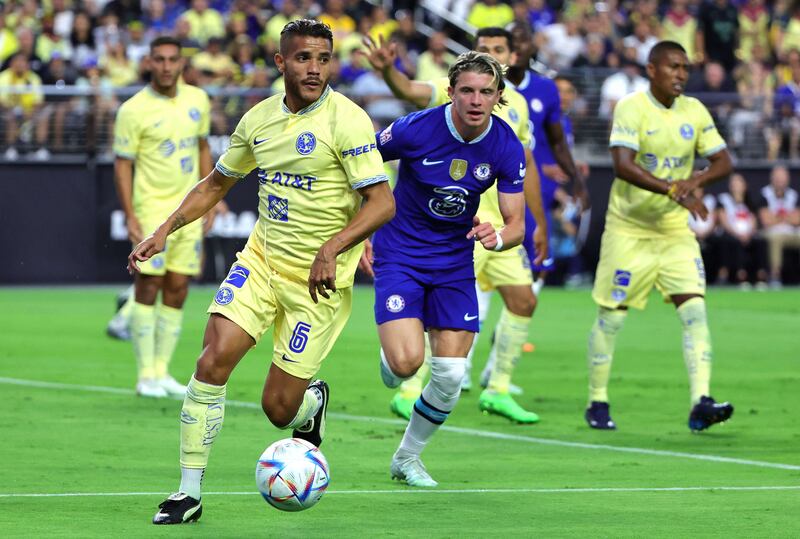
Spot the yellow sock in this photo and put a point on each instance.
(601, 351)
(168, 331)
(510, 334)
(696, 346)
(127, 307)
(143, 338)
(201, 420)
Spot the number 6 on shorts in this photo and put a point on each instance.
(299, 339)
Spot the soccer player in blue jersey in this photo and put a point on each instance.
(322, 191)
(423, 258)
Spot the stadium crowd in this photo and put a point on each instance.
(746, 55)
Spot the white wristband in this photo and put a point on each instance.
(499, 238)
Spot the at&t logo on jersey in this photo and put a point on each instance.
(450, 201)
(286, 179)
(224, 296)
(483, 171)
(166, 148)
(306, 142)
(395, 303)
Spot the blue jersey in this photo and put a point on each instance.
(566, 125)
(439, 184)
(544, 106)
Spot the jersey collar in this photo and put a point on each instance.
(313, 106)
(658, 103)
(157, 95)
(526, 80)
(456, 135)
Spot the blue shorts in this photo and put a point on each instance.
(437, 297)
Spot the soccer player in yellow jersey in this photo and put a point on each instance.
(647, 241)
(506, 271)
(322, 192)
(161, 152)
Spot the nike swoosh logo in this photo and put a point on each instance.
(468, 318)
(653, 132)
(256, 142)
(287, 359)
(429, 163)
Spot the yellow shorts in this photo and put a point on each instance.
(182, 254)
(255, 297)
(629, 267)
(493, 269)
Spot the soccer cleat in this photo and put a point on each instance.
(314, 429)
(118, 328)
(179, 508)
(412, 471)
(171, 386)
(708, 412)
(513, 389)
(466, 383)
(598, 416)
(147, 387)
(504, 405)
(402, 406)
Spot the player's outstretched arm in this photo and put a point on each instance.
(381, 57)
(194, 205)
(377, 209)
(533, 198)
(560, 146)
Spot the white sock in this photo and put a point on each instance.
(434, 405)
(191, 480)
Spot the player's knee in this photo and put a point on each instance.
(523, 304)
(404, 362)
(210, 368)
(447, 376)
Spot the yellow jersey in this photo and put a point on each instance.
(514, 114)
(161, 135)
(665, 141)
(310, 165)
(27, 90)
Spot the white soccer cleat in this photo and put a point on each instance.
(147, 387)
(171, 386)
(412, 471)
(118, 328)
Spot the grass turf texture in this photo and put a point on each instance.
(78, 441)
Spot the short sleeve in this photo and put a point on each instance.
(709, 141)
(511, 176)
(392, 139)
(439, 92)
(625, 126)
(126, 133)
(238, 160)
(358, 151)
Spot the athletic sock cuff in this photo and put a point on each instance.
(205, 393)
(171, 313)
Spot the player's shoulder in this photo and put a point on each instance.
(690, 105)
(194, 92)
(634, 101)
(342, 107)
(514, 97)
(264, 108)
(500, 130)
(135, 105)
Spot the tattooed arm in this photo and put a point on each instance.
(195, 204)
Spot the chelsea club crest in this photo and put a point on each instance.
(483, 171)
(306, 142)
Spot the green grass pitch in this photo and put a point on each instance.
(89, 434)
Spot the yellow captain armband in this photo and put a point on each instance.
(671, 191)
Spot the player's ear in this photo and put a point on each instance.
(651, 70)
(279, 62)
(450, 92)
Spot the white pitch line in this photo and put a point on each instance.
(458, 430)
(577, 490)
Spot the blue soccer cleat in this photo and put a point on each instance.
(598, 416)
(708, 412)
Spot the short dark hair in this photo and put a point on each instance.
(164, 40)
(661, 48)
(306, 27)
(495, 31)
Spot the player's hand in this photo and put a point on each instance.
(484, 233)
(367, 259)
(682, 188)
(695, 207)
(134, 230)
(556, 173)
(581, 193)
(152, 245)
(540, 245)
(322, 276)
(381, 56)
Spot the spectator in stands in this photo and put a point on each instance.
(8, 40)
(62, 76)
(138, 45)
(754, 21)
(706, 231)
(560, 44)
(742, 251)
(540, 15)
(642, 39)
(341, 24)
(63, 15)
(717, 28)
(488, 13)
(23, 107)
(272, 31)
(382, 25)
(788, 38)
(120, 69)
(594, 55)
(784, 134)
(26, 39)
(434, 63)
(755, 85)
(216, 62)
(204, 22)
(49, 42)
(81, 39)
(243, 51)
(780, 218)
(156, 20)
(680, 26)
(564, 247)
(620, 84)
(126, 11)
(716, 89)
(413, 40)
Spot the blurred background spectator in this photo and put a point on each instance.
(780, 217)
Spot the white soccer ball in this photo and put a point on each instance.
(292, 474)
